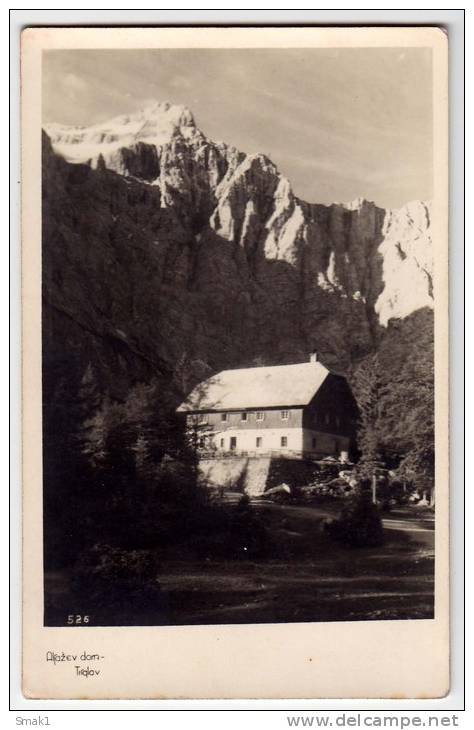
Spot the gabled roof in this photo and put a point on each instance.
(261, 387)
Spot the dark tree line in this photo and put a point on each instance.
(114, 470)
(122, 493)
(394, 389)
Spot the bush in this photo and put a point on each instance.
(111, 582)
(359, 524)
(248, 536)
(232, 532)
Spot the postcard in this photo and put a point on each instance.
(235, 362)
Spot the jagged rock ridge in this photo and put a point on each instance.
(178, 253)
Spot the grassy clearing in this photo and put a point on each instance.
(308, 578)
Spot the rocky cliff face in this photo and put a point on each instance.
(167, 253)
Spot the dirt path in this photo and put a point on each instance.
(419, 528)
(312, 579)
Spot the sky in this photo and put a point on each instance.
(339, 123)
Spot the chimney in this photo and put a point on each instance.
(313, 356)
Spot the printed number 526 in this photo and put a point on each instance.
(76, 619)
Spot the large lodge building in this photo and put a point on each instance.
(301, 410)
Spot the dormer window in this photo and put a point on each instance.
(284, 415)
(259, 415)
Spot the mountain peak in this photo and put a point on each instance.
(178, 114)
(157, 123)
(356, 204)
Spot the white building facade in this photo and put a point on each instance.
(300, 410)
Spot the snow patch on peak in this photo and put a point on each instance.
(178, 114)
(156, 124)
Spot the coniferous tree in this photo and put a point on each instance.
(370, 391)
(395, 394)
(101, 166)
(418, 463)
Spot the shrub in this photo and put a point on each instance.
(232, 532)
(248, 536)
(109, 581)
(359, 524)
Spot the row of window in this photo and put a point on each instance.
(203, 418)
(259, 416)
(328, 419)
(258, 442)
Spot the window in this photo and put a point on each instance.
(203, 419)
(338, 421)
(313, 442)
(326, 419)
(284, 441)
(201, 443)
(259, 415)
(223, 416)
(259, 441)
(284, 415)
(243, 417)
(222, 443)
